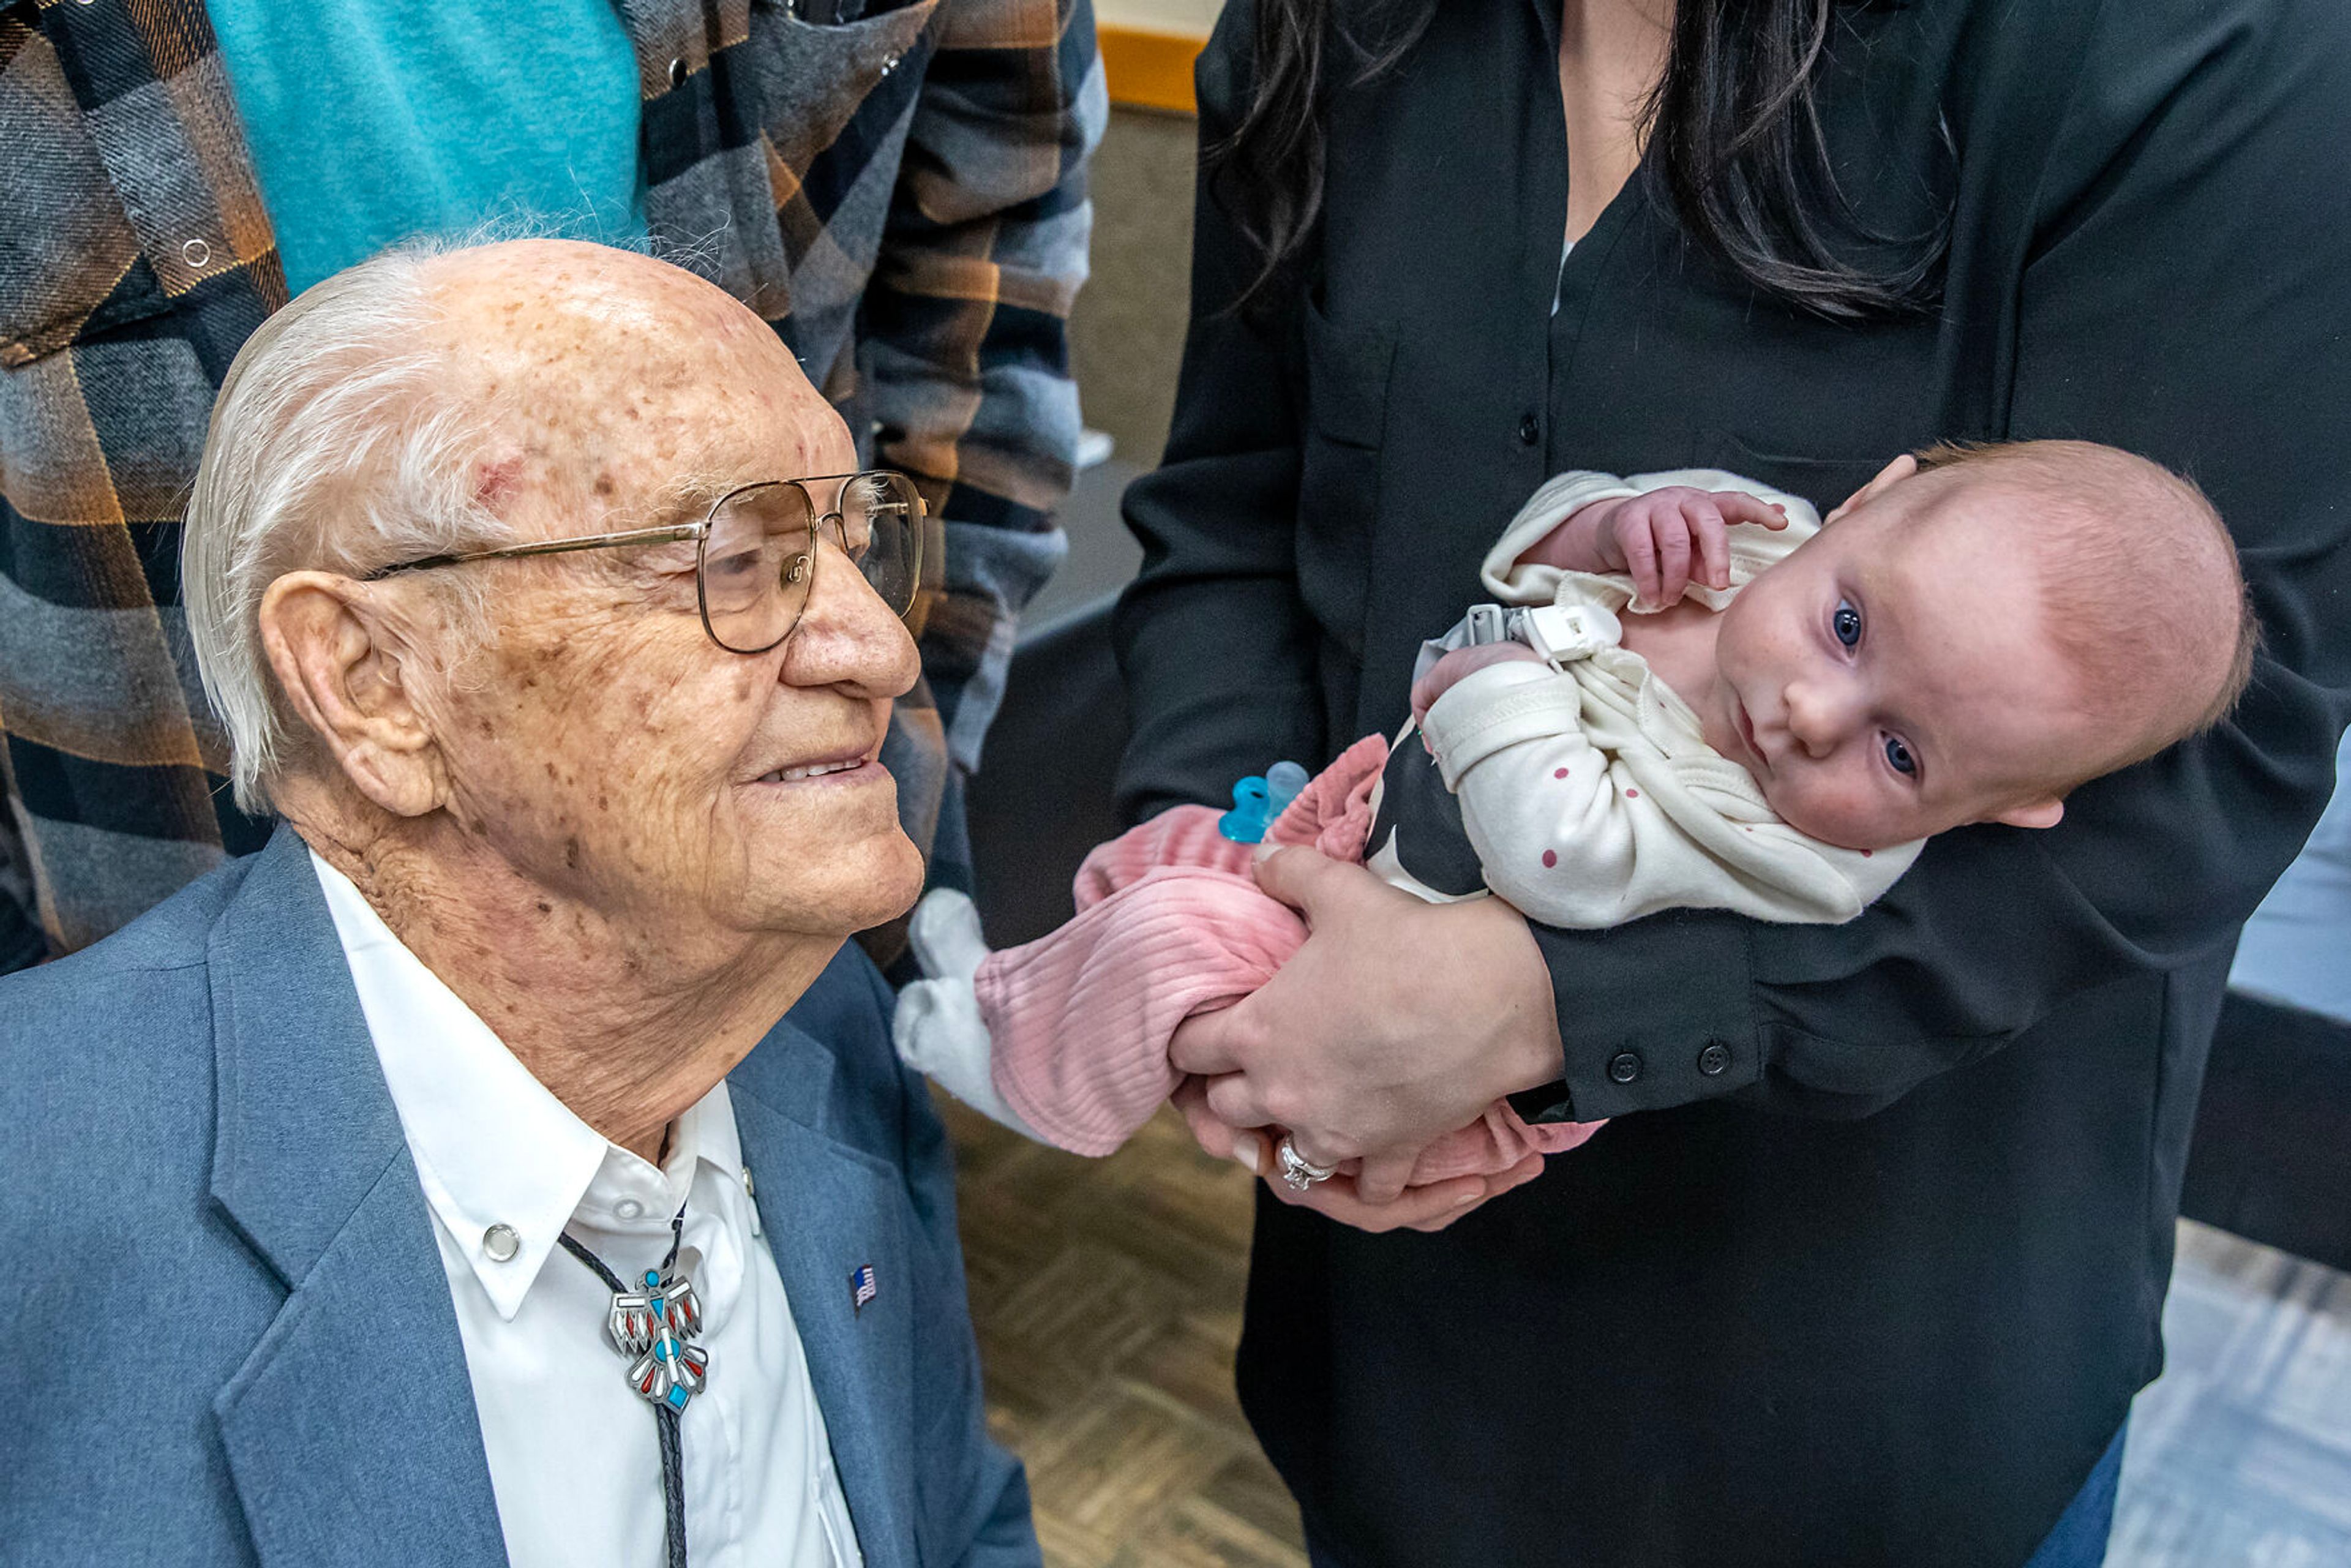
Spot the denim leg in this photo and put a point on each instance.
(2079, 1538)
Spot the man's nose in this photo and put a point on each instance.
(848, 635)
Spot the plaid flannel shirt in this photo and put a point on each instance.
(899, 192)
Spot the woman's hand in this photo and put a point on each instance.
(1396, 1022)
(1424, 1208)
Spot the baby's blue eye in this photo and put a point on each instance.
(1846, 623)
(1898, 758)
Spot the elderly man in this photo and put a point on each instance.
(440, 1185)
(897, 186)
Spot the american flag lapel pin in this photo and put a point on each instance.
(861, 1288)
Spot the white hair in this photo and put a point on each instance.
(342, 441)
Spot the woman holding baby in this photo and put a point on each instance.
(1869, 1264)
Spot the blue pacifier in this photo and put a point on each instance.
(1257, 799)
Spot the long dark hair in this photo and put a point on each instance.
(1735, 132)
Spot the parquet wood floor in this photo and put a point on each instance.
(1107, 1295)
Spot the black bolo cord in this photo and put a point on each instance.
(672, 1451)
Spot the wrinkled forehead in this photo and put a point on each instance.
(619, 387)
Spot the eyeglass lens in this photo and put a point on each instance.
(759, 556)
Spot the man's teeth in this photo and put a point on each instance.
(793, 775)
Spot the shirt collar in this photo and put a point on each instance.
(493, 1146)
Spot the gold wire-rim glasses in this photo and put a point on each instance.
(908, 497)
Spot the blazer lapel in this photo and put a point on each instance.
(830, 1209)
(350, 1430)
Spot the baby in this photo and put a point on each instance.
(1702, 698)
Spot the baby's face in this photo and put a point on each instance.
(1893, 676)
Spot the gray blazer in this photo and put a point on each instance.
(232, 1340)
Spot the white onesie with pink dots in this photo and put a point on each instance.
(1586, 786)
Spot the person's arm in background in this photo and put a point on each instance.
(964, 333)
(1217, 646)
(2187, 296)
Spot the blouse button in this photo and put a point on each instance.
(677, 73)
(1530, 429)
(195, 253)
(890, 63)
(501, 1242)
(629, 1208)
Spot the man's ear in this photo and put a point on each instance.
(339, 663)
(1893, 473)
(2036, 814)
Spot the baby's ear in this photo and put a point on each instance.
(1901, 468)
(2038, 814)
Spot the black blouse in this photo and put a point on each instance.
(1872, 1264)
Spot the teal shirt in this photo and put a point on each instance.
(374, 120)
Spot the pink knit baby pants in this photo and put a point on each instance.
(1170, 923)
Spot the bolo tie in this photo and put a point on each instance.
(650, 1326)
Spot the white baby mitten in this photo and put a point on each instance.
(937, 1028)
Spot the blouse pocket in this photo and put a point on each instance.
(1825, 482)
(64, 242)
(1339, 477)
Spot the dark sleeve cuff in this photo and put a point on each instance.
(1657, 1013)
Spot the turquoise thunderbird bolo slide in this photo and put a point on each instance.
(654, 1326)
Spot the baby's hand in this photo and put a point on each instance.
(1448, 671)
(1667, 539)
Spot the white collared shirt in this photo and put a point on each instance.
(574, 1457)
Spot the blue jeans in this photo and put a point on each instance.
(2078, 1540)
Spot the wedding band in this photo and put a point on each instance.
(1297, 1170)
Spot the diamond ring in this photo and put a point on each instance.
(1297, 1170)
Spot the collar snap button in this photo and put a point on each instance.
(501, 1242)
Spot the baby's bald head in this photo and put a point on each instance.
(2139, 580)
